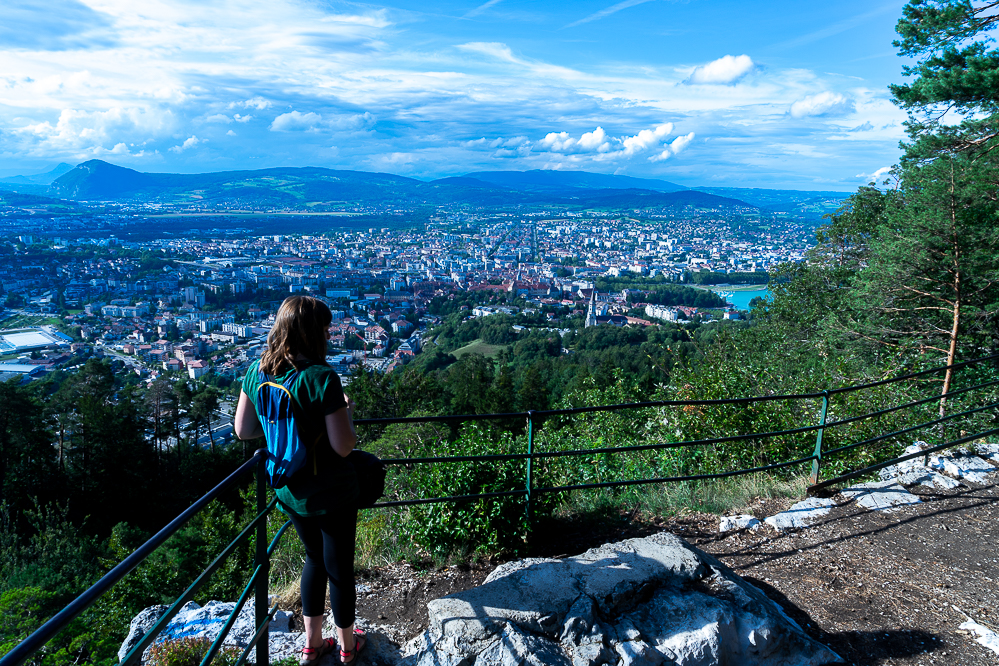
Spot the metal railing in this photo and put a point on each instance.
(816, 458)
(259, 578)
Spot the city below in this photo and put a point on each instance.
(131, 277)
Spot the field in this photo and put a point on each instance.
(479, 347)
(18, 321)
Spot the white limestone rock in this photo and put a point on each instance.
(207, 621)
(141, 624)
(929, 479)
(988, 451)
(743, 522)
(639, 653)
(983, 635)
(642, 602)
(914, 472)
(962, 464)
(802, 514)
(880, 496)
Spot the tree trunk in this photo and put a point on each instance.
(956, 316)
(951, 353)
(211, 435)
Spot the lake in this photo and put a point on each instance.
(740, 299)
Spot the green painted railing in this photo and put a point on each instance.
(258, 580)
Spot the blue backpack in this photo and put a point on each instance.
(278, 410)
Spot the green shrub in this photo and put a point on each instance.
(189, 652)
(481, 525)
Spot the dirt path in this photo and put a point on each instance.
(884, 588)
(876, 587)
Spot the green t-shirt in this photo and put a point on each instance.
(327, 480)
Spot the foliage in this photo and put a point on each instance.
(189, 651)
(706, 277)
(678, 295)
(933, 272)
(477, 525)
(954, 71)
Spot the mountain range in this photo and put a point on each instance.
(304, 188)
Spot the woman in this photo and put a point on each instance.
(321, 497)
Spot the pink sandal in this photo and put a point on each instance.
(348, 656)
(311, 655)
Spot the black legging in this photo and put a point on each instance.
(329, 555)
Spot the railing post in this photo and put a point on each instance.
(262, 559)
(530, 458)
(817, 462)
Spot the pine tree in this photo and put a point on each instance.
(937, 258)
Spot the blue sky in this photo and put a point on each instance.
(771, 93)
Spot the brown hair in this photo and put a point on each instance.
(300, 328)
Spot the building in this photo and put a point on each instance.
(197, 369)
(591, 312)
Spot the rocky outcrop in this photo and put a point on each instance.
(945, 469)
(649, 601)
(206, 621)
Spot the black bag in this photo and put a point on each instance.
(370, 472)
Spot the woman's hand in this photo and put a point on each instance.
(350, 404)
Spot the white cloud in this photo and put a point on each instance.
(481, 8)
(258, 103)
(502, 52)
(190, 142)
(598, 144)
(724, 71)
(81, 134)
(821, 104)
(590, 142)
(296, 121)
(350, 122)
(223, 118)
(681, 142)
(675, 147)
(646, 139)
(501, 147)
(876, 176)
(603, 13)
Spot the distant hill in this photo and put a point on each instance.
(635, 198)
(38, 178)
(304, 188)
(557, 181)
(37, 184)
(97, 179)
(803, 203)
